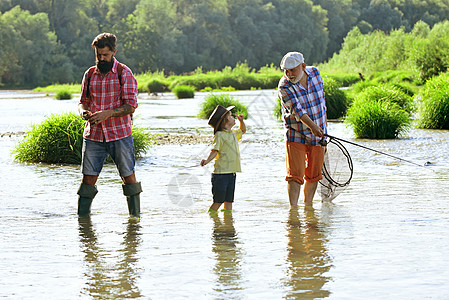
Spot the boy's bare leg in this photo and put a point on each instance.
(293, 189)
(309, 192)
(215, 206)
(228, 205)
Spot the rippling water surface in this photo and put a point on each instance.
(384, 237)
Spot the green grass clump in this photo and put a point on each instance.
(434, 106)
(142, 141)
(336, 100)
(59, 139)
(380, 112)
(156, 86)
(211, 101)
(63, 95)
(184, 91)
(389, 93)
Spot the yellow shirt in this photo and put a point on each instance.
(228, 157)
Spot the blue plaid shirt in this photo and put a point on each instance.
(297, 101)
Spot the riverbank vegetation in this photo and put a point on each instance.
(364, 46)
(176, 37)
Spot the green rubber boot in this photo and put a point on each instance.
(86, 195)
(132, 193)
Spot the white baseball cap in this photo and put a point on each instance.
(291, 60)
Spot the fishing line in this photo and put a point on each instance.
(377, 151)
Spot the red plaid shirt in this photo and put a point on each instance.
(107, 93)
(296, 101)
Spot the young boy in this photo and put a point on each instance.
(227, 157)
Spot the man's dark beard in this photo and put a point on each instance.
(105, 66)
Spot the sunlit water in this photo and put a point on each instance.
(384, 237)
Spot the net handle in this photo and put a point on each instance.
(377, 151)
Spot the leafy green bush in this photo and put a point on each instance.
(379, 112)
(336, 101)
(431, 55)
(59, 139)
(434, 106)
(211, 101)
(63, 95)
(184, 91)
(423, 49)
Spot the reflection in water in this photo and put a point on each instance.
(307, 258)
(228, 256)
(105, 279)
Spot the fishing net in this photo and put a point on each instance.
(337, 170)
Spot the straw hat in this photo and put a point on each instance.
(217, 116)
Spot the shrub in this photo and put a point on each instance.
(184, 91)
(63, 95)
(336, 101)
(211, 101)
(156, 86)
(373, 115)
(59, 139)
(434, 106)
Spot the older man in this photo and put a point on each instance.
(304, 115)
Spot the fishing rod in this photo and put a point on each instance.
(377, 151)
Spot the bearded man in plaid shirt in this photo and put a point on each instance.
(108, 100)
(304, 115)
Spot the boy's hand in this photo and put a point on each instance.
(203, 162)
(240, 117)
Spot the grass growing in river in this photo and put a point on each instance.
(380, 112)
(59, 139)
(336, 100)
(211, 101)
(184, 91)
(63, 95)
(434, 107)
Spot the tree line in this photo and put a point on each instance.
(48, 41)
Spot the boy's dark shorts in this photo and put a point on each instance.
(223, 187)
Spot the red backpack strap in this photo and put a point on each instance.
(89, 75)
(120, 68)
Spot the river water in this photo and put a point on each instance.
(384, 237)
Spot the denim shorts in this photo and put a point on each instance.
(223, 187)
(121, 152)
